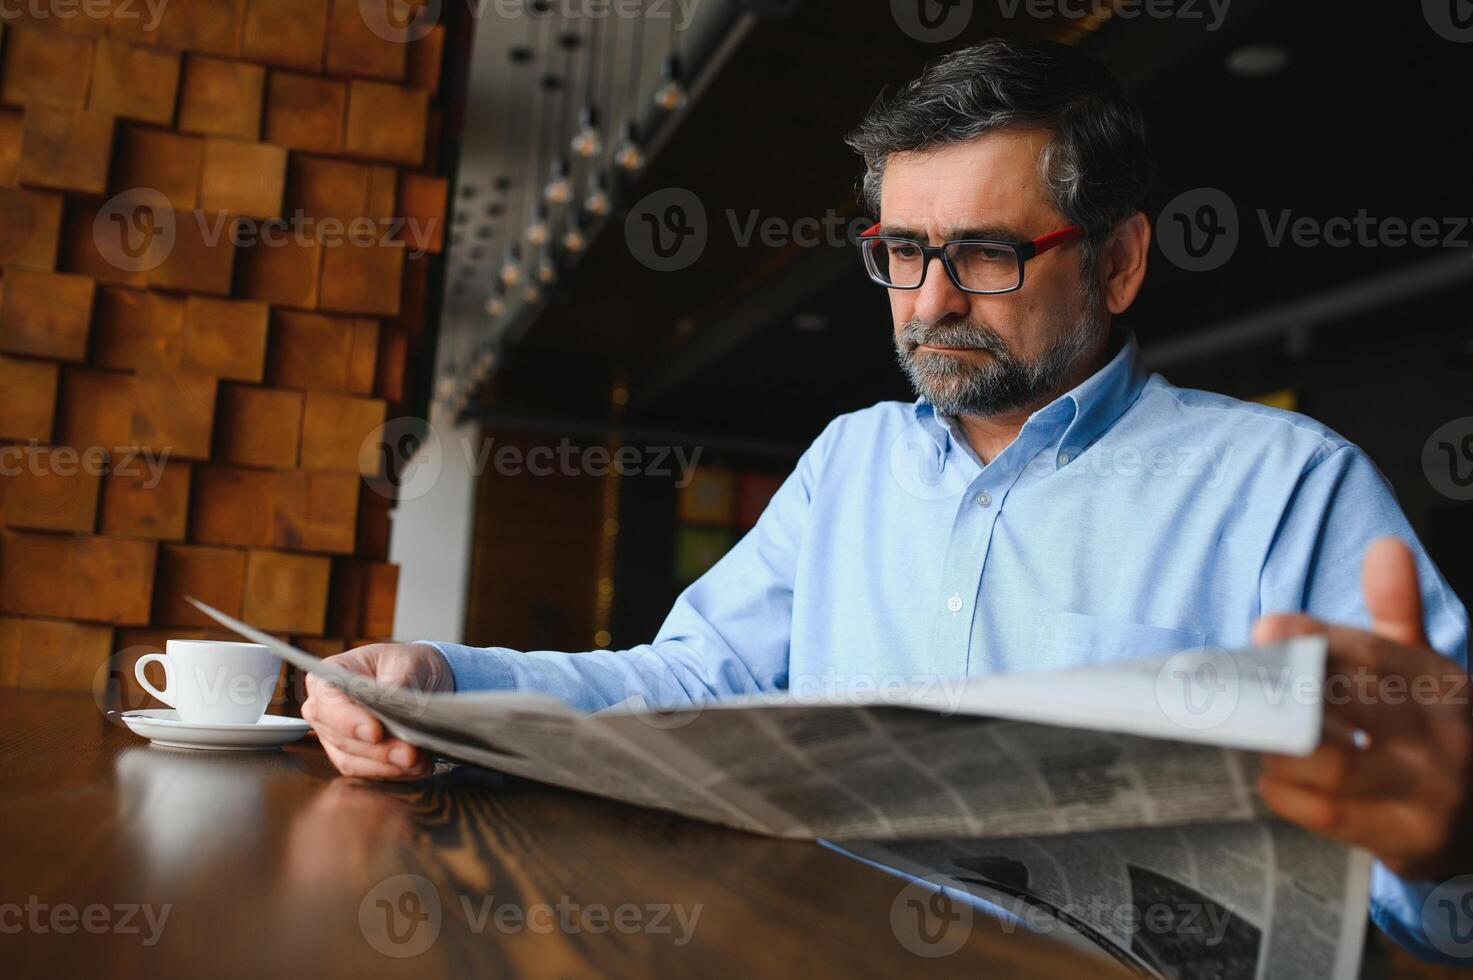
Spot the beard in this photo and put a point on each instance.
(957, 384)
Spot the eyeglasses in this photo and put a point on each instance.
(974, 265)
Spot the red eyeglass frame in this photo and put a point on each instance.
(1024, 250)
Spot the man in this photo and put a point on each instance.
(1043, 502)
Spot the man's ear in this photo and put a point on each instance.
(1122, 266)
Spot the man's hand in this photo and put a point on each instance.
(1392, 772)
(355, 740)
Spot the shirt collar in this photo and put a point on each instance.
(1084, 411)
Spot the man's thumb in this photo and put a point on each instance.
(1389, 580)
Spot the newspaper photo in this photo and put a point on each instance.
(1105, 799)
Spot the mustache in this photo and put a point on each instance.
(953, 333)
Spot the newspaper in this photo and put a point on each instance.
(1074, 792)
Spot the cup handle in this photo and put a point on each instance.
(144, 661)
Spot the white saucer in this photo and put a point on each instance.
(162, 726)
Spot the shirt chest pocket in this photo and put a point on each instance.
(1067, 639)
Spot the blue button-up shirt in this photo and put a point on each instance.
(1128, 517)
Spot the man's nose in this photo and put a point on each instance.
(938, 297)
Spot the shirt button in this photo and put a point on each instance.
(954, 602)
(1064, 458)
(984, 499)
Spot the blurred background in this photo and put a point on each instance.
(1299, 145)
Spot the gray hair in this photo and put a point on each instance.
(1095, 165)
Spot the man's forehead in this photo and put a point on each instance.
(993, 178)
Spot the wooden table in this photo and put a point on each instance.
(270, 865)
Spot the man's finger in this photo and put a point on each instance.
(354, 765)
(390, 750)
(341, 717)
(1276, 627)
(1389, 582)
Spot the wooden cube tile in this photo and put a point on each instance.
(414, 296)
(425, 58)
(30, 228)
(243, 178)
(422, 206)
(259, 426)
(289, 33)
(49, 654)
(393, 361)
(212, 575)
(224, 337)
(286, 592)
(336, 430)
(174, 412)
(386, 122)
(45, 314)
(221, 98)
(45, 67)
(146, 495)
(321, 646)
(375, 523)
(362, 278)
(137, 21)
(234, 505)
(29, 403)
(134, 81)
(95, 409)
(113, 245)
(282, 275)
(161, 161)
(134, 329)
(65, 149)
(318, 512)
(12, 126)
(361, 600)
(211, 26)
(354, 48)
(321, 188)
(99, 579)
(202, 259)
(304, 112)
(327, 353)
(54, 489)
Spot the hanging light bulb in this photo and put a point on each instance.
(511, 266)
(671, 94)
(588, 141)
(546, 269)
(537, 231)
(573, 238)
(629, 155)
(531, 293)
(496, 302)
(596, 199)
(559, 189)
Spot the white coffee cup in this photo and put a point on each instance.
(214, 681)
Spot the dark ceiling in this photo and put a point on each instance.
(773, 342)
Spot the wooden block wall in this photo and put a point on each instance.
(190, 358)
